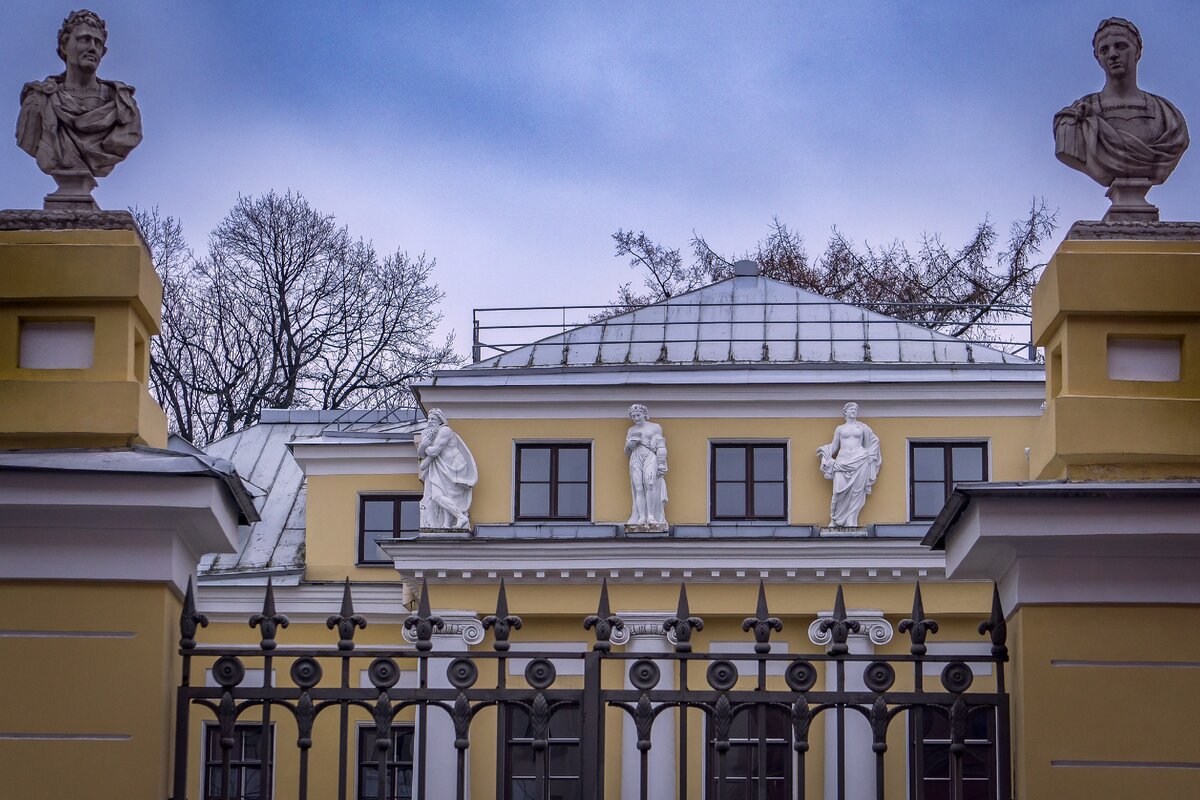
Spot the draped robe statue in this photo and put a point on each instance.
(447, 468)
(647, 451)
(852, 462)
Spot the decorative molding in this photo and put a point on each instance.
(645, 625)
(380, 603)
(38, 220)
(1152, 231)
(872, 626)
(458, 625)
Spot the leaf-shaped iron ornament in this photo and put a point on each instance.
(997, 627)
(382, 713)
(189, 619)
(958, 725)
(839, 627)
(539, 721)
(722, 721)
(346, 621)
(305, 715)
(683, 623)
(226, 718)
(918, 625)
(269, 621)
(423, 623)
(879, 725)
(643, 720)
(801, 720)
(604, 621)
(762, 623)
(461, 716)
(501, 623)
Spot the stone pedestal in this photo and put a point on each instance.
(1129, 204)
(447, 533)
(841, 533)
(634, 530)
(74, 191)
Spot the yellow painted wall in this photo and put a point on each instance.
(100, 276)
(331, 538)
(61, 682)
(1122, 704)
(1095, 427)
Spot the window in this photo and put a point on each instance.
(742, 778)
(554, 481)
(245, 763)
(935, 467)
(385, 516)
(399, 764)
(931, 754)
(563, 759)
(749, 481)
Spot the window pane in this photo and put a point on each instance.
(967, 463)
(565, 724)
(740, 761)
(777, 760)
(937, 790)
(372, 551)
(572, 500)
(929, 464)
(522, 760)
(405, 775)
(928, 499)
(377, 515)
(731, 463)
(974, 762)
(525, 790)
(535, 500)
(937, 760)
(731, 500)
(977, 790)
(404, 744)
(768, 500)
(572, 464)
(768, 463)
(564, 761)
(564, 790)
(535, 464)
(410, 515)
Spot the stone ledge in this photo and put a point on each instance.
(1161, 231)
(37, 220)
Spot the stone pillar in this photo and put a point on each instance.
(643, 633)
(860, 761)
(462, 630)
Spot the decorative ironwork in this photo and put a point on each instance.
(658, 683)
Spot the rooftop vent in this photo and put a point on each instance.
(745, 269)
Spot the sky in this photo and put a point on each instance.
(509, 140)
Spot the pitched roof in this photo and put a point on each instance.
(747, 320)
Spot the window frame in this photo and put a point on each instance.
(208, 728)
(947, 446)
(750, 742)
(917, 744)
(511, 741)
(554, 447)
(749, 448)
(392, 763)
(397, 498)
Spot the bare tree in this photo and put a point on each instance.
(286, 310)
(962, 291)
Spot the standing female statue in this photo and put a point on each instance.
(647, 451)
(448, 470)
(852, 462)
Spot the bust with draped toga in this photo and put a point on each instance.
(76, 125)
(1122, 137)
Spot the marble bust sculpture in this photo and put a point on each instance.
(76, 125)
(447, 468)
(1122, 137)
(852, 462)
(647, 451)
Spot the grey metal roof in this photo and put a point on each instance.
(747, 320)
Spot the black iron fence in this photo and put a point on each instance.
(754, 732)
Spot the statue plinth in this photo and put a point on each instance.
(1129, 204)
(644, 528)
(74, 191)
(832, 532)
(446, 533)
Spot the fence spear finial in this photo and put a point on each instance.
(501, 622)
(189, 619)
(683, 623)
(423, 623)
(918, 625)
(762, 622)
(604, 621)
(346, 621)
(997, 627)
(269, 621)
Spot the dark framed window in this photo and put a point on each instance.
(245, 763)
(554, 481)
(563, 757)
(934, 468)
(399, 764)
(743, 777)
(385, 516)
(749, 481)
(930, 738)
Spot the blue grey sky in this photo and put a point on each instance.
(509, 140)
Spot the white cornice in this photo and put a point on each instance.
(309, 602)
(360, 457)
(732, 560)
(948, 396)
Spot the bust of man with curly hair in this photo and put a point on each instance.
(75, 124)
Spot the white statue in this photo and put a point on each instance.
(647, 451)
(852, 462)
(449, 473)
